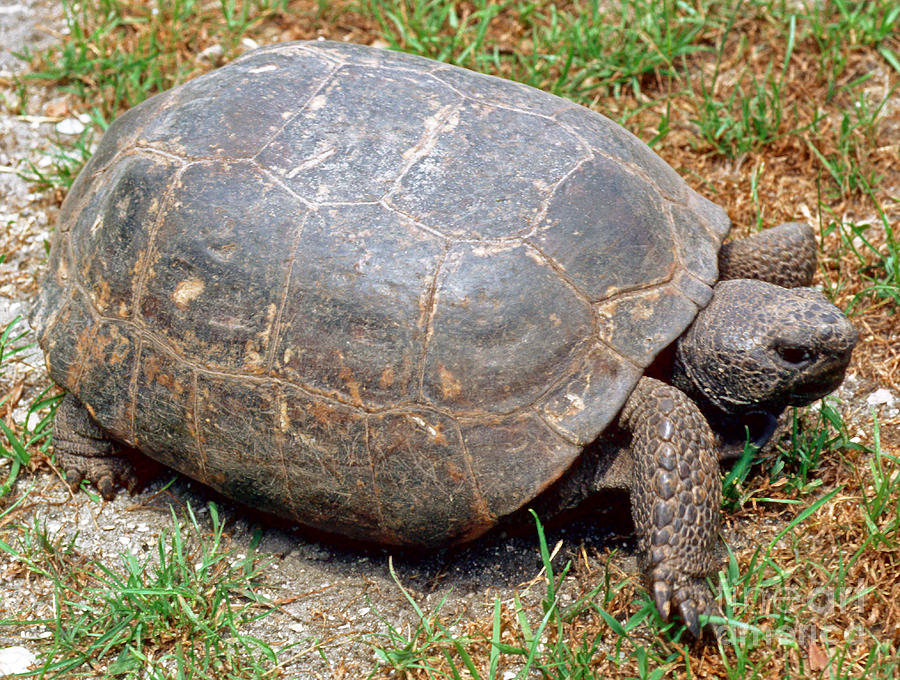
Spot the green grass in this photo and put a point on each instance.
(523, 641)
(848, 163)
(118, 53)
(792, 462)
(16, 443)
(592, 49)
(769, 607)
(802, 600)
(66, 157)
(751, 114)
(881, 500)
(177, 613)
(822, 432)
(874, 250)
(845, 26)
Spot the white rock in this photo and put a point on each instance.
(70, 126)
(880, 396)
(212, 54)
(16, 660)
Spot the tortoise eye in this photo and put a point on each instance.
(796, 356)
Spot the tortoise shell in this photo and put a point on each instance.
(386, 297)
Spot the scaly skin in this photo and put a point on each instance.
(784, 255)
(675, 498)
(84, 451)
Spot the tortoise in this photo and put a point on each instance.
(398, 301)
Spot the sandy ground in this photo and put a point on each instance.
(334, 596)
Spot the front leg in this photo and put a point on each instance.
(675, 496)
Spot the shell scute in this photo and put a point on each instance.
(114, 230)
(214, 281)
(607, 229)
(491, 140)
(354, 316)
(505, 327)
(204, 117)
(354, 139)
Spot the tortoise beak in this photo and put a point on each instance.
(826, 375)
(755, 428)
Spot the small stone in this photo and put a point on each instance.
(880, 396)
(212, 54)
(14, 9)
(16, 660)
(70, 126)
(56, 108)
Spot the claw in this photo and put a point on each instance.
(107, 487)
(131, 484)
(74, 478)
(691, 618)
(719, 631)
(662, 593)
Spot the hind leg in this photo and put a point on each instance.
(85, 451)
(784, 255)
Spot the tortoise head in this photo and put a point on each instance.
(758, 347)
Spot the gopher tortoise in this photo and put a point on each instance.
(398, 301)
